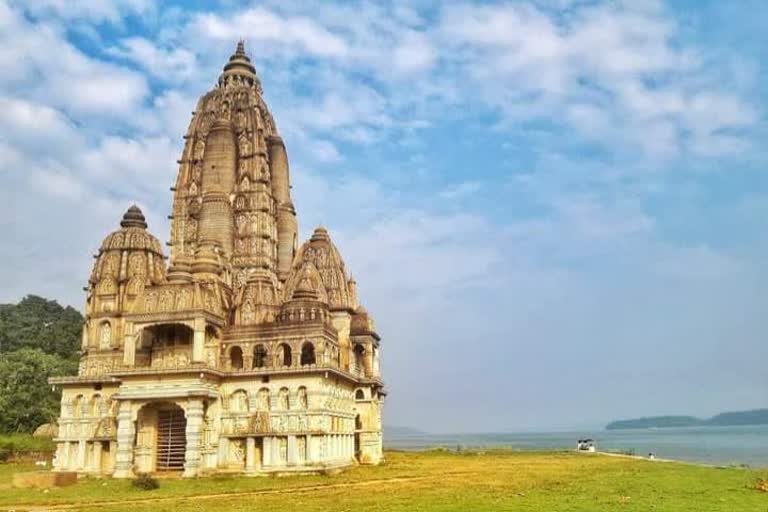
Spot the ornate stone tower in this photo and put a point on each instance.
(248, 353)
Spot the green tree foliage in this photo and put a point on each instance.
(40, 323)
(26, 398)
(38, 339)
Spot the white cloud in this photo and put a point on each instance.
(606, 66)
(49, 69)
(91, 10)
(461, 190)
(414, 53)
(164, 64)
(297, 33)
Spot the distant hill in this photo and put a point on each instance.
(753, 417)
(655, 422)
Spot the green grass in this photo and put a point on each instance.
(440, 481)
(19, 444)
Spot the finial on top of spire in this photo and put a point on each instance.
(133, 218)
(239, 67)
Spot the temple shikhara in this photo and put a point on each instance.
(243, 351)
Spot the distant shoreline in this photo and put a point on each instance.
(753, 417)
(718, 446)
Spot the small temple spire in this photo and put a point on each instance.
(240, 67)
(240, 50)
(134, 218)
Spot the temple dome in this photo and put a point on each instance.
(362, 323)
(306, 298)
(322, 253)
(132, 234)
(131, 255)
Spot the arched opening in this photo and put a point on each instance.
(171, 439)
(105, 335)
(238, 401)
(161, 438)
(301, 397)
(77, 406)
(211, 334)
(359, 394)
(236, 358)
(262, 399)
(359, 357)
(307, 354)
(284, 399)
(284, 355)
(260, 356)
(165, 346)
(96, 405)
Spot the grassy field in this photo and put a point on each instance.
(439, 481)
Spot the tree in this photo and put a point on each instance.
(36, 322)
(26, 398)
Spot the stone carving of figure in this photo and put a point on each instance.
(301, 446)
(241, 223)
(303, 398)
(240, 120)
(248, 313)
(165, 301)
(105, 335)
(182, 299)
(262, 400)
(199, 150)
(150, 302)
(284, 399)
(245, 145)
(243, 166)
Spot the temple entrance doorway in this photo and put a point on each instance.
(171, 439)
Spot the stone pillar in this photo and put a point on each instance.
(375, 361)
(111, 460)
(223, 452)
(96, 462)
(58, 458)
(129, 350)
(310, 449)
(276, 460)
(293, 455)
(81, 455)
(250, 454)
(126, 432)
(267, 450)
(198, 341)
(194, 437)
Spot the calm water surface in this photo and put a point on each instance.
(714, 445)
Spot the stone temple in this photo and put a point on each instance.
(248, 353)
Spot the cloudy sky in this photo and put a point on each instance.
(556, 210)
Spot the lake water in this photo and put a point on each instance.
(713, 445)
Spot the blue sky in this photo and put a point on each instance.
(557, 211)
